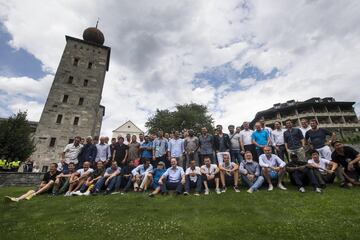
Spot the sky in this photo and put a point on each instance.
(236, 57)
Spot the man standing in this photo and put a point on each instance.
(146, 149)
(72, 151)
(246, 140)
(206, 145)
(88, 152)
(176, 149)
(229, 173)
(234, 145)
(348, 159)
(141, 138)
(221, 144)
(191, 145)
(210, 175)
(193, 178)
(273, 168)
(172, 179)
(250, 173)
(134, 148)
(317, 138)
(304, 126)
(278, 140)
(103, 151)
(294, 141)
(121, 152)
(260, 138)
(160, 147)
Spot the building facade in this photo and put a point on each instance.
(327, 111)
(73, 104)
(127, 128)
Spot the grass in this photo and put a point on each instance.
(335, 214)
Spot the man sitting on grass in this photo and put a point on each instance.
(154, 178)
(91, 180)
(62, 181)
(193, 178)
(229, 172)
(111, 179)
(273, 168)
(323, 169)
(173, 178)
(251, 173)
(78, 178)
(210, 175)
(140, 174)
(46, 185)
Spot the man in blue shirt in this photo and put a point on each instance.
(294, 141)
(146, 149)
(154, 178)
(172, 179)
(260, 138)
(160, 147)
(88, 152)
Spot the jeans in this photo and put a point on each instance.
(190, 184)
(171, 186)
(114, 183)
(255, 184)
(128, 183)
(99, 184)
(236, 156)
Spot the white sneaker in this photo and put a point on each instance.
(196, 194)
(302, 190)
(77, 193)
(206, 191)
(87, 193)
(67, 194)
(186, 193)
(318, 190)
(281, 187)
(270, 187)
(218, 191)
(114, 193)
(250, 190)
(11, 199)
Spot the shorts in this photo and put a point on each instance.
(273, 175)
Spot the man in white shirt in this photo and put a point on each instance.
(272, 167)
(176, 148)
(304, 126)
(278, 140)
(78, 178)
(324, 169)
(210, 175)
(229, 173)
(72, 151)
(193, 178)
(246, 140)
(140, 174)
(173, 178)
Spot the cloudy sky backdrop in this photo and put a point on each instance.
(236, 57)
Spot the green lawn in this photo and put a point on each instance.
(335, 214)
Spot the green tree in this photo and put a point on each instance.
(16, 140)
(187, 116)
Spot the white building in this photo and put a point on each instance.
(127, 128)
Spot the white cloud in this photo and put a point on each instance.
(158, 46)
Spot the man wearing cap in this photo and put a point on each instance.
(154, 178)
(173, 178)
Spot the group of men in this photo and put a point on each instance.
(170, 162)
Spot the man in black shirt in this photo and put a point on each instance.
(45, 186)
(120, 153)
(126, 177)
(316, 137)
(348, 158)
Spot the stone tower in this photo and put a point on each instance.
(73, 105)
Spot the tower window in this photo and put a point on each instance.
(65, 98)
(86, 82)
(81, 101)
(76, 61)
(70, 79)
(52, 142)
(90, 65)
(59, 118)
(76, 121)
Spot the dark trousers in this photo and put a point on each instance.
(282, 153)
(301, 177)
(171, 186)
(235, 156)
(127, 182)
(324, 178)
(190, 184)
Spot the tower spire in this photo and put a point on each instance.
(97, 22)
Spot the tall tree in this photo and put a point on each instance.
(16, 140)
(187, 116)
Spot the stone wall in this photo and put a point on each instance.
(20, 179)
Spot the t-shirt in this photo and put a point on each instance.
(229, 166)
(323, 163)
(98, 173)
(245, 136)
(260, 137)
(317, 137)
(133, 150)
(209, 170)
(196, 170)
(82, 171)
(206, 144)
(158, 173)
(48, 177)
(72, 152)
(349, 155)
(144, 152)
(235, 141)
(120, 152)
(109, 170)
(191, 144)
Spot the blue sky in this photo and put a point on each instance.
(237, 57)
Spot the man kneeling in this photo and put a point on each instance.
(46, 185)
(250, 173)
(173, 178)
(193, 178)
